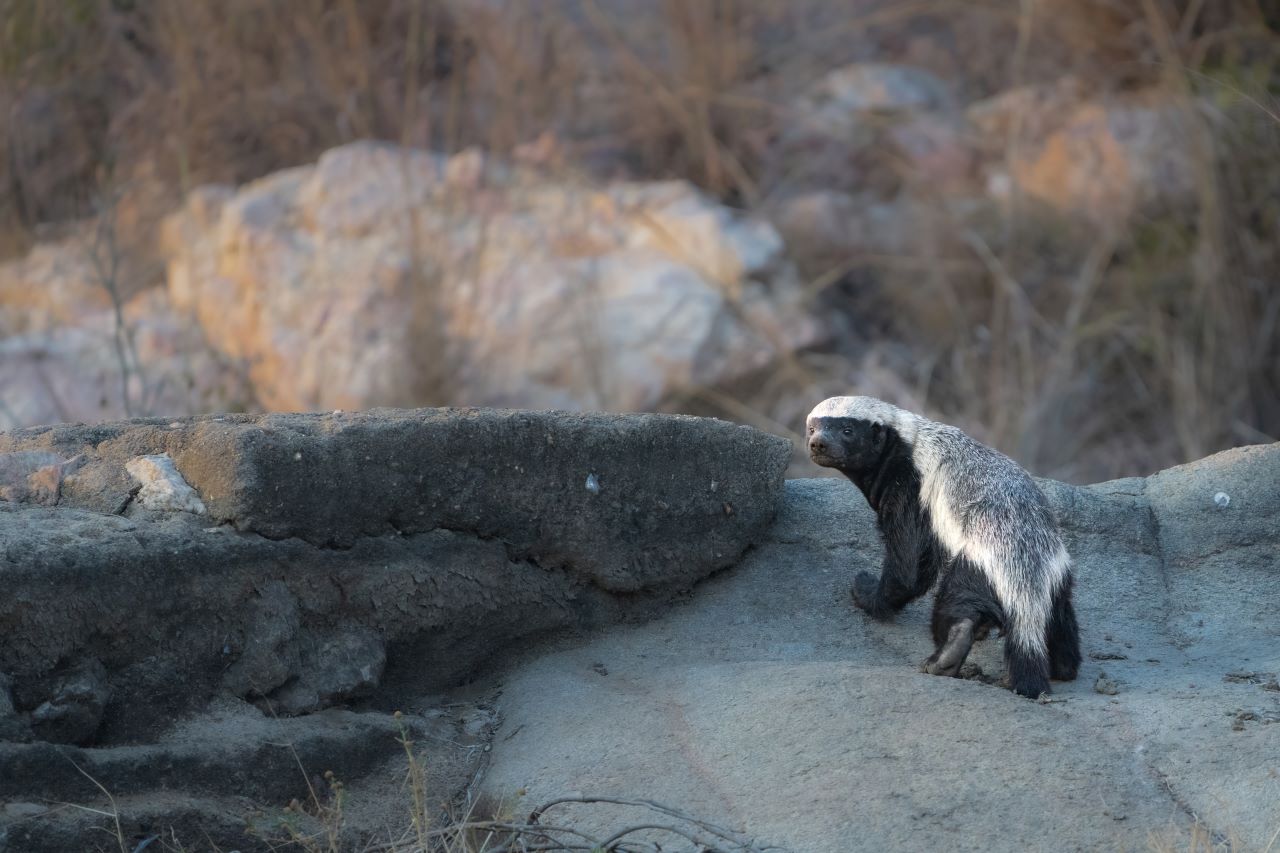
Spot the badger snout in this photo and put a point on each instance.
(821, 450)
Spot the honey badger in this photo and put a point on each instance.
(951, 507)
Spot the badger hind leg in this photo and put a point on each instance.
(1028, 669)
(964, 609)
(1063, 635)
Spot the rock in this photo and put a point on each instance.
(835, 102)
(75, 373)
(1109, 160)
(162, 487)
(1022, 113)
(519, 476)
(12, 726)
(74, 704)
(294, 671)
(430, 538)
(868, 128)
(54, 284)
(1105, 686)
(267, 654)
(223, 775)
(1212, 553)
(935, 152)
(767, 677)
(34, 476)
(867, 168)
(346, 665)
(345, 284)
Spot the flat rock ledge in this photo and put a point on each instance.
(302, 562)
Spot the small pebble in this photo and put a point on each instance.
(1105, 686)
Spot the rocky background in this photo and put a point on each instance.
(1054, 224)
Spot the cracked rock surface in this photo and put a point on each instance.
(203, 614)
(766, 702)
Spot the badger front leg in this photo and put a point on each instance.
(910, 560)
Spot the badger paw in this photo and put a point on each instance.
(933, 666)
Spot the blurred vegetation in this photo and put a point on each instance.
(1082, 352)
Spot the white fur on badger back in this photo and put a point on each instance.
(983, 505)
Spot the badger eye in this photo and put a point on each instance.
(810, 430)
(848, 431)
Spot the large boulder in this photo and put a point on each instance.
(350, 283)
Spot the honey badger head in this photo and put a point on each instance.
(852, 434)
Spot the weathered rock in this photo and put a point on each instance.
(223, 777)
(180, 613)
(1216, 556)
(837, 100)
(344, 666)
(1101, 160)
(54, 284)
(767, 703)
(268, 650)
(459, 531)
(12, 726)
(295, 671)
(80, 373)
(935, 152)
(868, 128)
(677, 496)
(71, 703)
(34, 476)
(868, 169)
(162, 487)
(345, 284)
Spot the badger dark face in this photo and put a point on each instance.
(848, 444)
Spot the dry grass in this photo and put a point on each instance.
(1085, 353)
(481, 825)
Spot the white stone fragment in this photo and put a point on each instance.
(163, 488)
(1222, 499)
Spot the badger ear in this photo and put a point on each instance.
(877, 433)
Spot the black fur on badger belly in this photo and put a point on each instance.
(948, 506)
